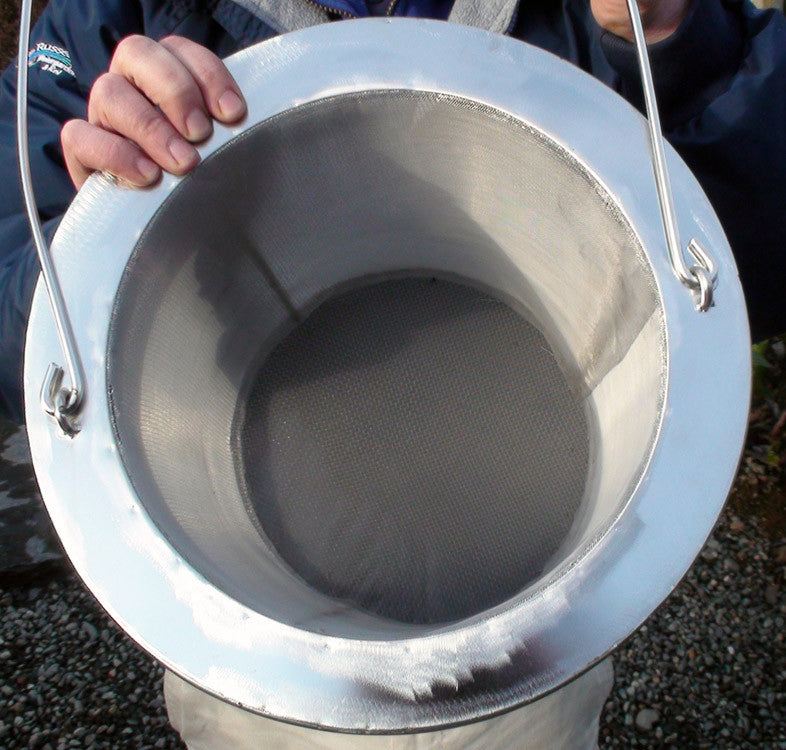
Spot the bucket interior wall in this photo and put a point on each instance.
(385, 361)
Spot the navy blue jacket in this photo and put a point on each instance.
(721, 82)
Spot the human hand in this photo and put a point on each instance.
(660, 18)
(156, 99)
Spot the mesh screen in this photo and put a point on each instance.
(413, 447)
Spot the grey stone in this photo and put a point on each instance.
(89, 631)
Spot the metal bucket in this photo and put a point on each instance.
(397, 415)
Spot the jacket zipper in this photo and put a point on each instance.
(327, 9)
(346, 14)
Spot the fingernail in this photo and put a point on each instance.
(183, 153)
(147, 168)
(231, 105)
(197, 125)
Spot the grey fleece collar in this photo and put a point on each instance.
(491, 15)
(289, 15)
(286, 15)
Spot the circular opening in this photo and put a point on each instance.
(413, 448)
(372, 366)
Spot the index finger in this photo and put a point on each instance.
(163, 80)
(219, 90)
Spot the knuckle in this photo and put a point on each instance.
(68, 134)
(179, 92)
(102, 85)
(215, 76)
(103, 90)
(116, 154)
(150, 126)
(173, 41)
(129, 47)
(101, 93)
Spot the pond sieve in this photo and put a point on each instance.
(397, 414)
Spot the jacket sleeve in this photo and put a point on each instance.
(721, 86)
(70, 46)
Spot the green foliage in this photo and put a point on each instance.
(762, 369)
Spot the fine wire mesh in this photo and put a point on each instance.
(413, 447)
(383, 185)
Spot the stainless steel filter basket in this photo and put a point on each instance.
(397, 415)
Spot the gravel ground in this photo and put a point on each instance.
(70, 678)
(708, 670)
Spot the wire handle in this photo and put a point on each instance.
(61, 402)
(701, 276)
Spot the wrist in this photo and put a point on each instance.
(690, 68)
(660, 18)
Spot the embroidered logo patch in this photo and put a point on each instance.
(50, 58)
